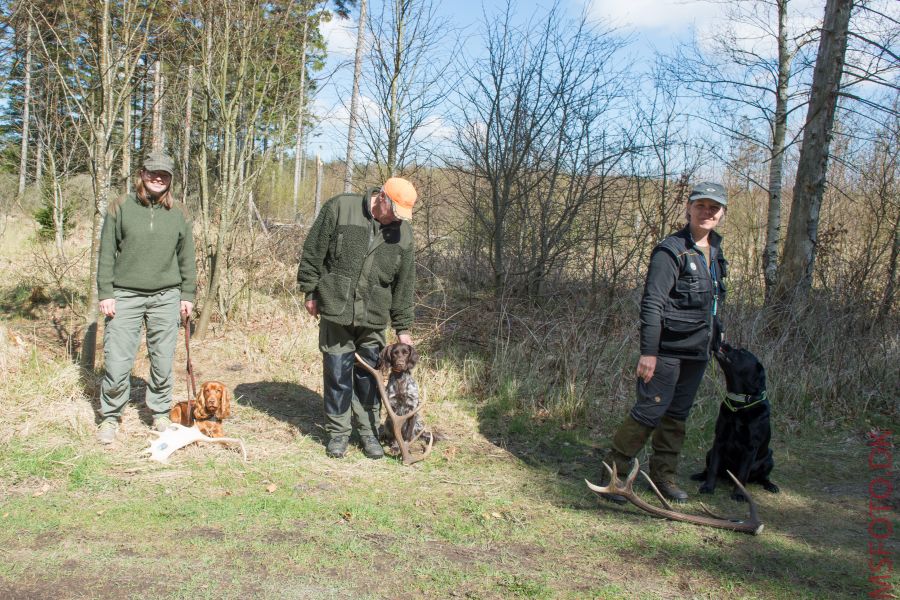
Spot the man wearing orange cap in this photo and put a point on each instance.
(357, 270)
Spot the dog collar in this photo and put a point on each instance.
(742, 400)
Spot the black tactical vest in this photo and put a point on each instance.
(687, 325)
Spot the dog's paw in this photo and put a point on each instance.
(771, 487)
(701, 476)
(707, 488)
(738, 496)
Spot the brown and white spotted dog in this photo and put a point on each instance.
(402, 391)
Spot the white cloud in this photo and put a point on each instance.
(708, 17)
(670, 15)
(436, 130)
(330, 134)
(340, 36)
(754, 27)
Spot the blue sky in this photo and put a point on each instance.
(651, 25)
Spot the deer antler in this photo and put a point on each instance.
(177, 436)
(397, 421)
(752, 525)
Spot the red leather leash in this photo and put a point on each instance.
(191, 382)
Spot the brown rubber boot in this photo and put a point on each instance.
(628, 441)
(666, 442)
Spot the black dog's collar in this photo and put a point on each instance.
(736, 402)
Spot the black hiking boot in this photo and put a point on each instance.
(371, 447)
(337, 446)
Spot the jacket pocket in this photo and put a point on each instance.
(386, 265)
(684, 334)
(379, 306)
(334, 292)
(692, 291)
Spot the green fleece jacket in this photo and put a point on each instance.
(360, 272)
(146, 249)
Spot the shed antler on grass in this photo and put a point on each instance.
(752, 525)
(397, 421)
(177, 436)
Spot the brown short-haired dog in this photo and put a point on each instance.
(212, 404)
(402, 390)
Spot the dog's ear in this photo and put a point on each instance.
(384, 359)
(225, 405)
(200, 411)
(761, 373)
(412, 359)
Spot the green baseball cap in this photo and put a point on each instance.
(710, 191)
(159, 161)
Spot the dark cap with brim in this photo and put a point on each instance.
(159, 161)
(709, 191)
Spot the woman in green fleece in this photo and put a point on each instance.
(145, 274)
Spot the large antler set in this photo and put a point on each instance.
(397, 421)
(752, 525)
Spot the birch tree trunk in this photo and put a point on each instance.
(281, 145)
(145, 138)
(319, 177)
(226, 186)
(401, 7)
(59, 214)
(205, 192)
(298, 147)
(102, 166)
(39, 161)
(354, 97)
(776, 164)
(126, 143)
(186, 140)
(26, 110)
(158, 143)
(796, 271)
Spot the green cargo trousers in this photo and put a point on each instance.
(349, 391)
(160, 312)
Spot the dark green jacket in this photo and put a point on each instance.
(146, 249)
(360, 272)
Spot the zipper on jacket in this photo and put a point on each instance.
(368, 259)
(152, 210)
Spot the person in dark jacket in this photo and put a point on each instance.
(145, 276)
(357, 270)
(679, 328)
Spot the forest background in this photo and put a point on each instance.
(550, 154)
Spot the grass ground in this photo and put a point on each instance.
(499, 510)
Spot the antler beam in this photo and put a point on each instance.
(397, 421)
(752, 525)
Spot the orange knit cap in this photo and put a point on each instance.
(402, 195)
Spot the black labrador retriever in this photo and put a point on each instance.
(743, 430)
